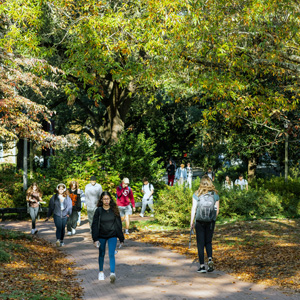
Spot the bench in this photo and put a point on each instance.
(21, 211)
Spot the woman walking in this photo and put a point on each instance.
(33, 198)
(106, 228)
(60, 206)
(75, 194)
(206, 208)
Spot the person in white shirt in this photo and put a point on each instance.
(92, 192)
(228, 184)
(148, 191)
(189, 175)
(241, 183)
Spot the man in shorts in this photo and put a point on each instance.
(124, 197)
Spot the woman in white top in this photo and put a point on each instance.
(189, 175)
(228, 184)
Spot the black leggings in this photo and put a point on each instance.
(204, 235)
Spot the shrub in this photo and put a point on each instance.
(174, 206)
(249, 204)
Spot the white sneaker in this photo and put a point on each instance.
(126, 231)
(141, 215)
(58, 243)
(62, 244)
(69, 233)
(32, 231)
(112, 277)
(73, 231)
(101, 276)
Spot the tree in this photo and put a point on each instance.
(19, 116)
(111, 50)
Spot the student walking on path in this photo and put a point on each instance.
(75, 194)
(124, 198)
(60, 206)
(93, 191)
(181, 175)
(33, 198)
(171, 173)
(148, 191)
(206, 208)
(106, 228)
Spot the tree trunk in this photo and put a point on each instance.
(117, 106)
(286, 158)
(252, 163)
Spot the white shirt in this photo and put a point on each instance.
(147, 191)
(242, 183)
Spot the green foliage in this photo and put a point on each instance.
(289, 192)
(249, 204)
(173, 207)
(11, 187)
(134, 157)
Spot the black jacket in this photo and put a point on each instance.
(75, 196)
(97, 223)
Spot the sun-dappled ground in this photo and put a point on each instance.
(32, 268)
(261, 251)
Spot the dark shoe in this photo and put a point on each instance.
(210, 265)
(202, 270)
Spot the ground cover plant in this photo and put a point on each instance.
(260, 251)
(31, 268)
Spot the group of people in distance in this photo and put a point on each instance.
(181, 175)
(240, 183)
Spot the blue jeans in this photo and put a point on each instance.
(112, 243)
(33, 211)
(60, 224)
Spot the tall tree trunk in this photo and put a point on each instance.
(252, 163)
(286, 158)
(117, 106)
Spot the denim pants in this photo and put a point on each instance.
(60, 224)
(204, 235)
(33, 211)
(112, 243)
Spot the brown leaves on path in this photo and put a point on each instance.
(262, 251)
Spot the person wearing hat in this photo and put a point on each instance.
(124, 198)
(60, 206)
(181, 174)
(92, 192)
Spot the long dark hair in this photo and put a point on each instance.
(112, 203)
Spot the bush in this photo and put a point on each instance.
(174, 206)
(289, 192)
(249, 204)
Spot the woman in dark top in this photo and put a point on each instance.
(107, 227)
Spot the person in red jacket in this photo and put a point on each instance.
(124, 197)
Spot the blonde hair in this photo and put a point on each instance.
(206, 185)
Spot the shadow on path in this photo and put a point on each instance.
(147, 272)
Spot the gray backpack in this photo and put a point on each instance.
(206, 210)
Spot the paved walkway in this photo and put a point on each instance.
(147, 272)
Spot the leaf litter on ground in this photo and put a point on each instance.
(35, 269)
(260, 251)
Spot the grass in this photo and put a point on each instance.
(32, 268)
(260, 251)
